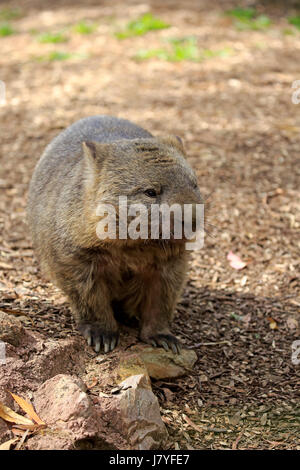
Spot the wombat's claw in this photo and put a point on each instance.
(166, 341)
(98, 338)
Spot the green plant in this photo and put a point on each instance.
(84, 28)
(8, 14)
(141, 26)
(295, 21)
(180, 49)
(6, 29)
(52, 38)
(288, 31)
(247, 18)
(184, 49)
(59, 56)
(176, 51)
(261, 22)
(144, 54)
(242, 13)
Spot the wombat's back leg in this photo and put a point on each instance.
(90, 299)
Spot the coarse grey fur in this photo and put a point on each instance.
(95, 160)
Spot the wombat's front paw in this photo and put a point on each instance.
(99, 337)
(167, 341)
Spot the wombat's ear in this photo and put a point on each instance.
(95, 152)
(174, 141)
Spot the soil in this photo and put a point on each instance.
(241, 131)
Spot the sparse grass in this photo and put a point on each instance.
(8, 14)
(141, 26)
(53, 38)
(6, 29)
(247, 18)
(59, 56)
(242, 14)
(84, 28)
(289, 32)
(295, 21)
(182, 49)
(259, 23)
(179, 49)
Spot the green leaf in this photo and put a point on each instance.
(259, 23)
(84, 28)
(295, 20)
(6, 29)
(52, 38)
(8, 14)
(141, 26)
(180, 49)
(242, 13)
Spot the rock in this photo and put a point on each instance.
(140, 420)
(50, 440)
(4, 433)
(62, 401)
(128, 420)
(37, 360)
(130, 365)
(70, 415)
(136, 381)
(54, 440)
(11, 329)
(161, 364)
(63, 356)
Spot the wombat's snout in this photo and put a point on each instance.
(193, 211)
(194, 220)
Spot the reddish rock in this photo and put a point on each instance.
(161, 364)
(71, 417)
(11, 329)
(134, 412)
(61, 400)
(130, 365)
(4, 436)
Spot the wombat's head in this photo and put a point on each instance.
(141, 171)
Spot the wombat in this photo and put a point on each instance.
(96, 160)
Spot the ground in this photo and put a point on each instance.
(235, 114)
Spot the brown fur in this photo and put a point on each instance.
(97, 160)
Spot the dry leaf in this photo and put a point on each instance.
(246, 319)
(31, 427)
(7, 445)
(28, 408)
(193, 425)
(17, 432)
(273, 324)
(235, 261)
(236, 442)
(92, 384)
(6, 266)
(292, 323)
(9, 415)
(21, 442)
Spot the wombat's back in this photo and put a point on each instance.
(94, 128)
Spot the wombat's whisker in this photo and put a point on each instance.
(207, 197)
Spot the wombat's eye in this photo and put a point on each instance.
(150, 192)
